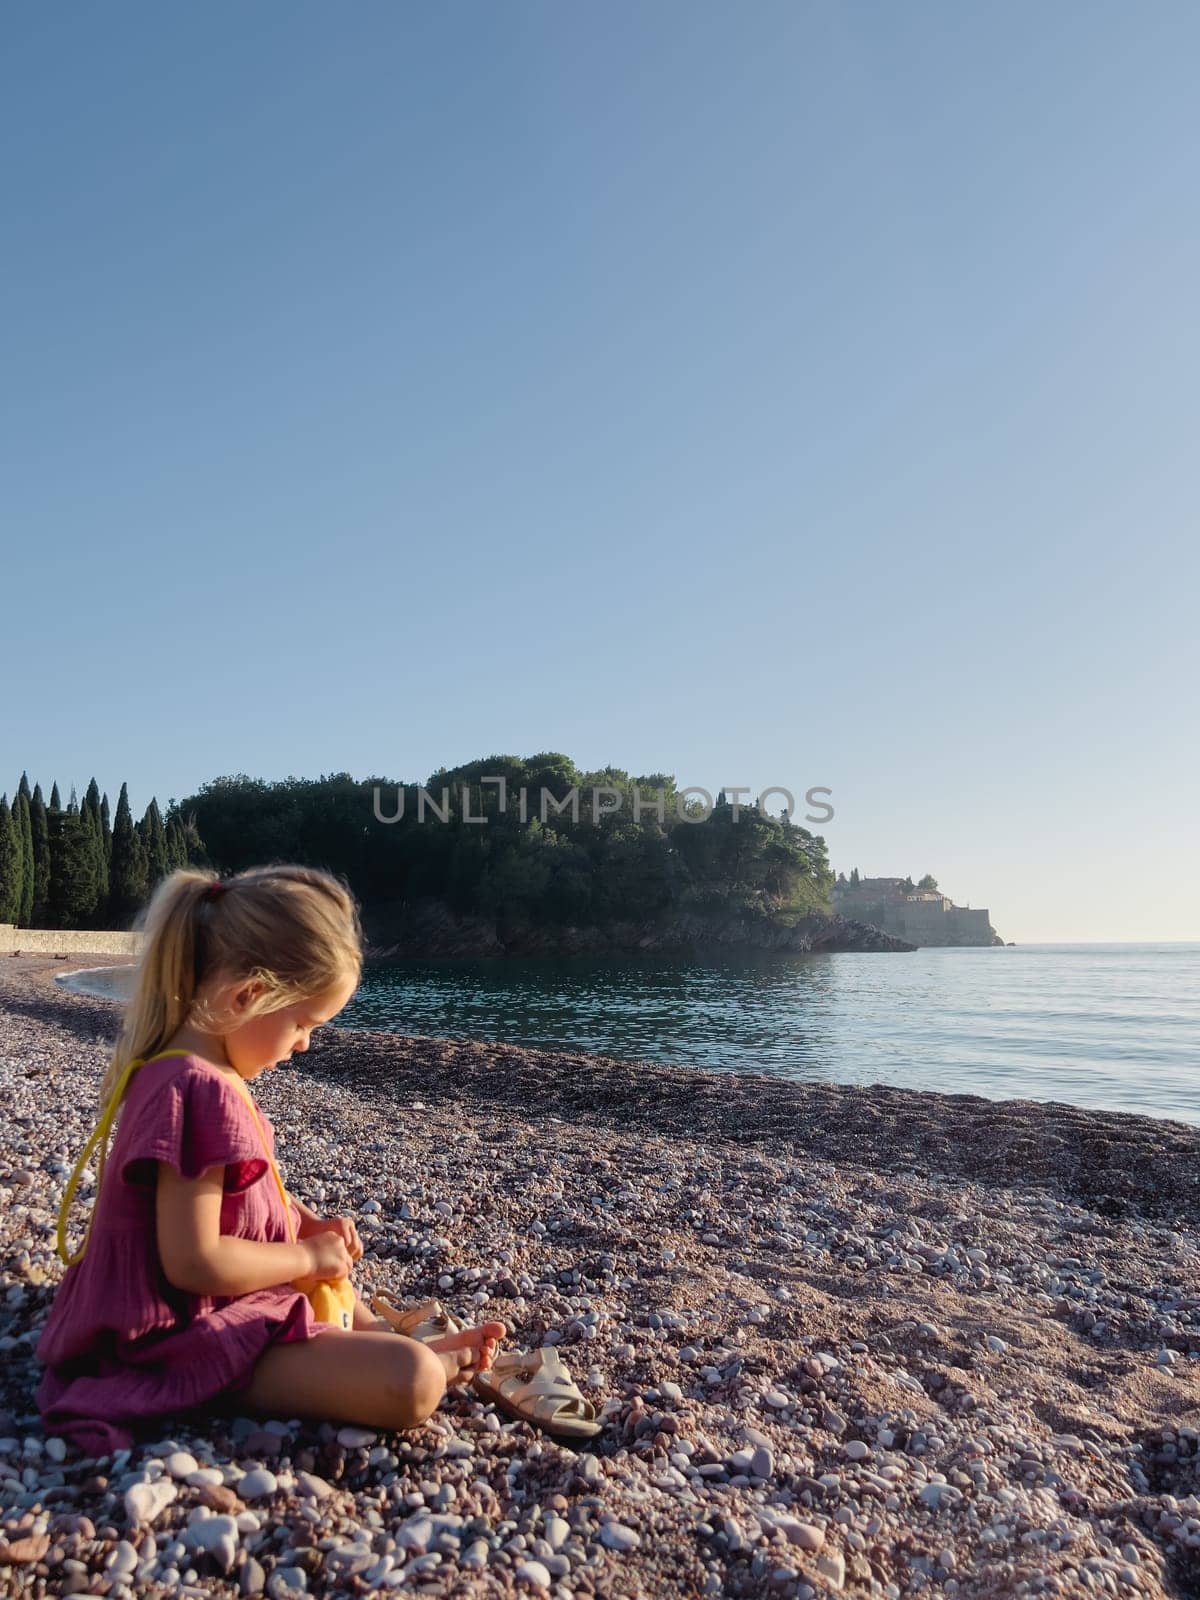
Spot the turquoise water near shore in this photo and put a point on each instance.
(1105, 1025)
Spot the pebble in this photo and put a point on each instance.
(218, 1498)
(217, 1536)
(534, 1572)
(123, 1560)
(356, 1438)
(145, 1502)
(251, 1578)
(616, 1536)
(287, 1581)
(804, 1535)
(348, 1560)
(556, 1531)
(258, 1484)
(204, 1476)
(939, 1494)
(831, 1564)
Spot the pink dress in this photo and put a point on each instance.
(122, 1346)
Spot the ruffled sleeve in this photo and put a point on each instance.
(192, 1121)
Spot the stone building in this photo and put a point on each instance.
(922, 916)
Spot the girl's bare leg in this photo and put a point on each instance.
(365, 1320)
(379, 1380)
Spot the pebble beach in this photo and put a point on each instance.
(844, 1341)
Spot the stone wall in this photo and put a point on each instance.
(67, 941)
(972, 926)
(927, 920)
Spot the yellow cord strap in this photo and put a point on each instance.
(332, 1301)
(98, 1136)
(262, 1133)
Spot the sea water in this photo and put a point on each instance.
(1105, 1025)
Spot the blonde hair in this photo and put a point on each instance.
(294, 929)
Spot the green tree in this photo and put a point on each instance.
(127, 874)
(11, 865)
(40, 833)
(928, 882)
(154, 841)
(93, 807)
(557, 870)
(177, 852)
(73, 889)
(23, 827)
(23, 806)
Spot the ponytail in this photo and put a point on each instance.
(166, 971)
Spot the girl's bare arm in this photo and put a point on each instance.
(199, 1259)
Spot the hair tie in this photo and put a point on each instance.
(214, 891)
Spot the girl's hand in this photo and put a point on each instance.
(311, 1224)
(328, 1259)
(345, 1229)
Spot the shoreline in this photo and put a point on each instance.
(979, 1316)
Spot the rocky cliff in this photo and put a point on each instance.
(429, 928)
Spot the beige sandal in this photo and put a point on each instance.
(425, 1321)
(535, 1387)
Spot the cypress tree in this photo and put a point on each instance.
(154, 839)
(141, 868)
(91, 806)
(24, 826)
(176, 845)
(127, 873)
(21, 813)
(40, 833)
(72, 871)
(11, 863)
(54, 882)
(106, 834)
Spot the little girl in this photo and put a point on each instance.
(191, 1286)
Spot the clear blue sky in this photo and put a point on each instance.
(787, 394)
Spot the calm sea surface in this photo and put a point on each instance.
(1113, 1025)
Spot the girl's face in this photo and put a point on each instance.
(264, 1041)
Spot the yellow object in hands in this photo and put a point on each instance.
(333, 1302)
